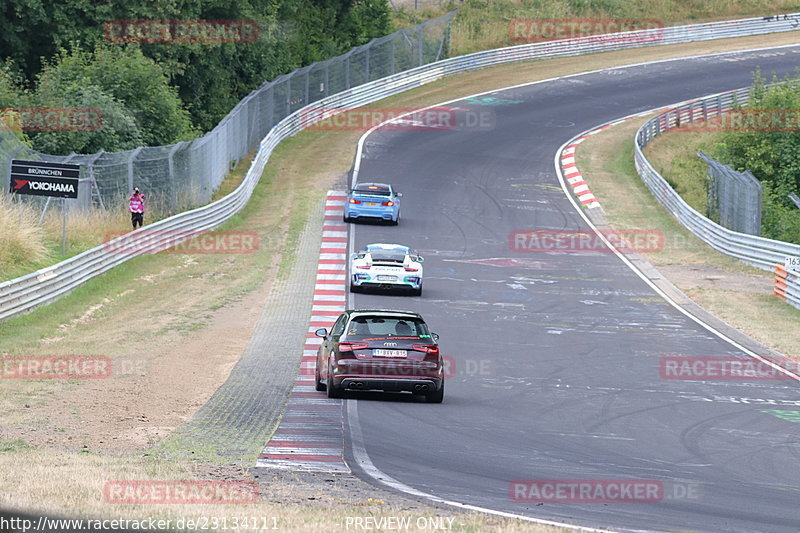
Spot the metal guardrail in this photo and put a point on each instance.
(757, 251)
(27, 292)
(787, 283)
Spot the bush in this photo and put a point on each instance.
(114, 130)
(772, 156)
(124, 73)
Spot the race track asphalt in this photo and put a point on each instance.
(558, 356)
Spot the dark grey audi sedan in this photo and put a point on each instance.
(380, 350)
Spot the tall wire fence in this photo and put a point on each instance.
(734, 198)
(184, 175)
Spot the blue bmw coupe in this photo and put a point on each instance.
(373, 201)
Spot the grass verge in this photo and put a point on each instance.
(736, 293)
(674, 156)
(287, 504)
(481, 25)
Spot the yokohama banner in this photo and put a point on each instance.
(39, 178)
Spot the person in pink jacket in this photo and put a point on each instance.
(136, 207)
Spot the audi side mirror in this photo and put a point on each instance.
(321, 332)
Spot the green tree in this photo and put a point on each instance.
(12, 97)
(771, 154)
(211, 77)
(106, 125)
(129, 77)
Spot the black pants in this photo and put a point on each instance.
(137, 218)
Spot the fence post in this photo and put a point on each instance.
(366, 67)
(327, 78)
(93, 180)
(347, 71)
(173, 189)
(391, 57)
(10, 159)
(288, 95)
(269, 112)
(308, 75)
(133, 156)
(420, 41)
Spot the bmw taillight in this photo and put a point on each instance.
(427, 348)
(354, 201)
(351, 346)
(388, 203)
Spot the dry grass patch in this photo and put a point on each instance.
(58, 484)
(674, 156)
(21, 237)
(481, 25)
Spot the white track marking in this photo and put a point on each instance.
(365, 463)
(359, 451)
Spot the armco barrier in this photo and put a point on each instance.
(781, 276)
(757, 251)
(787, 285)
(22, 294)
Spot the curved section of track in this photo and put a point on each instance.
(558, 356)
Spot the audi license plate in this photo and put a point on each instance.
(389, 353)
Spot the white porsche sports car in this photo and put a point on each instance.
(386, 266)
